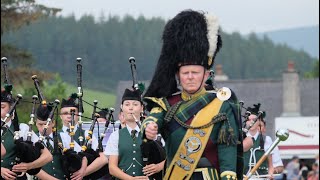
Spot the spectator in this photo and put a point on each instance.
(314, 174)
(303, 171)
(292, 169)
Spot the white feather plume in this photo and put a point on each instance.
(213, 27)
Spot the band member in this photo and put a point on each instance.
(276, 158)
(261, 143)
(108, 128)
(122, 120)
(52, 170)
(103, 115)
(65, 116)
(123, 147)
(8, 168)
(200, 127)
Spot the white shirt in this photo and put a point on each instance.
(112, 147)
(24, 128)
(276, 158)
(267, 141)
(66, 139)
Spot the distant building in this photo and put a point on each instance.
(219, 74)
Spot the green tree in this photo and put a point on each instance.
(51, 90)
(315, 71)
(14, 15)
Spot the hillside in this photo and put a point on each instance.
(304, 38)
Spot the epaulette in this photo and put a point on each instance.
(158, 101)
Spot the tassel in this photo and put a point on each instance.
(222, 135)
(231, 138)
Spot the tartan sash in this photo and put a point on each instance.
(193, 144)
(189, 109)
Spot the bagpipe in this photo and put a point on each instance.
(89, 153)
(26, 151)
(80, 95)
(72, 160)
(259, 116)
(109, 117)
(152, 150)
(248, 111)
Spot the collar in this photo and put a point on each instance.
(255, 136)
(9, 123)
(186, 97)
(136, 128)
(51, 135)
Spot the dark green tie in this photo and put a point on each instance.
(133, 134)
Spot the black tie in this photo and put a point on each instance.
(133, 134)
(4, 130)
(48, 144)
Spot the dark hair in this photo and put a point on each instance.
(295, 157)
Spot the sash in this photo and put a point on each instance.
(189, 109)
(193, 144)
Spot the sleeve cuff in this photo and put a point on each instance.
(228, 175)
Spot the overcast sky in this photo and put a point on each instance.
(243, 16)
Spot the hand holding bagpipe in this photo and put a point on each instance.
(152, 153)
(26, 151)
(152, 150)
